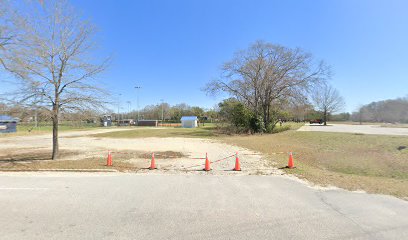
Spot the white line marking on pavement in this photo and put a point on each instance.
(11, 188)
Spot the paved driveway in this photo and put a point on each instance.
(364, 129)
(132, 206)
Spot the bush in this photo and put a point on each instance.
(238, 118)
(236, 114)
(257, 125)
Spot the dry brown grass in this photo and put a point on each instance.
(376, 164)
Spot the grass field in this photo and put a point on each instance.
(207, 131)
(388, 125)
(201, 132)
(377, 164)
(29, 129)
(395, 125)
(22, 128)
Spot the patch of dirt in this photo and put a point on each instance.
(31, 159)
(173, 155)
(147, 155)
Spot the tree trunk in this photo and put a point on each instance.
(325, 118)
(265, 120)
(55, 146)
(268, 115)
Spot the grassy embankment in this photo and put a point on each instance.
(373, 163)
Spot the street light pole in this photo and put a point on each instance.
(129, 104)
(137, 96)
(162, 110)
(118, 116)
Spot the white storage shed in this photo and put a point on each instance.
(189, 121)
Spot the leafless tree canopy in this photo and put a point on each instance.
(327, 100)
(265, 75)
(51, 59)
(5, 33)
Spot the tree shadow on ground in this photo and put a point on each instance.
(32, 156)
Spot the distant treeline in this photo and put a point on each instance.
(169, 113)
(389, 111)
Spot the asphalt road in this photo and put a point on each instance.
(199, 206)
(362, 129)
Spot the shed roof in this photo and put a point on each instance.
(188, 118)
(5, 118)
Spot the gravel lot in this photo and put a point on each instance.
(360, 129)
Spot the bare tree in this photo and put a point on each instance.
(359, 115)
(327, 100)
(265, 74)
(52, 61)
(5, 34)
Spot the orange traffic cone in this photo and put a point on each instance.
(109, 160)
(290, 163)
(237, 164)
(207, 163)
(152, 163)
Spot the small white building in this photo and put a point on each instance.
(189, 121)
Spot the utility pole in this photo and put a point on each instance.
(137, 96)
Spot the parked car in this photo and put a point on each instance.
(319, 121)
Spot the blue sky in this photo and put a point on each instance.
(173, 48)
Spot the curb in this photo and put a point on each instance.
(59, 170)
